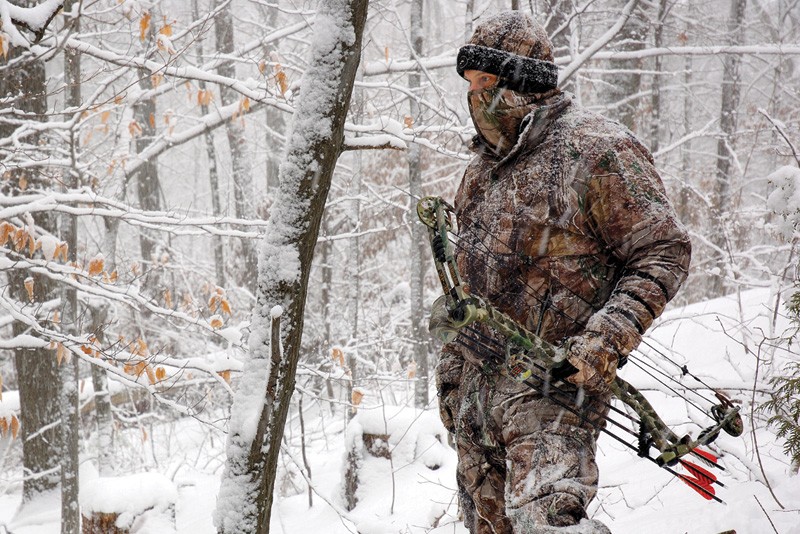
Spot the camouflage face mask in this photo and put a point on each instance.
(497, 114)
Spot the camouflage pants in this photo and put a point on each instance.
(526, 464)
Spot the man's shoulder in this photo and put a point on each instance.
(595, 134)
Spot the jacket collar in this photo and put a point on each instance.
(535, 127)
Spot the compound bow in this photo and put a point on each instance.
(527, 356)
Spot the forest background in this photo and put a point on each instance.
(156, 155)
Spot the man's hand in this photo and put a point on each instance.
(595, 361)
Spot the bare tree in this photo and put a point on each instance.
(284, 266)
(23, 85)
(725, 150)
(418, 253)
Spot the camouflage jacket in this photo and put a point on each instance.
(571, 232)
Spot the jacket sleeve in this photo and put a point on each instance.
(629, 213)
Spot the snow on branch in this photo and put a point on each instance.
(34, 19)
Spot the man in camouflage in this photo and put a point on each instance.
(566, 227)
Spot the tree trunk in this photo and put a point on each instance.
(23, 85)
(213, 173)
(686, 210)
(622, 87)
(417, 256)
(242, 174)
(147, 180)
(655, 98)
(70, 421)
(245, 498)
(725, 154)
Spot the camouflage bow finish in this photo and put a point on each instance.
(525, 351)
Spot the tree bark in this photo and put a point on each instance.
(417, 254)
(147, 180)
(241, 170)
(70, 421)
(621, 88)
(725, 154)
(23, 85)
(314, 146)
(213, 173)
(655, 98)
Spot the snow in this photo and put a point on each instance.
(410, 492)
(131, 494)
(784, 200)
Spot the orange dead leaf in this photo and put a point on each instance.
(166, 30)
(6, 230)
(152, 120)
(33, 245)
(151, 376)
(60, 352)
(144, 435)
(29, 287)
(56, 319)
(62, 250)
(282, 81)
(225, 306)
(216, 321)
(14, 426)
(226, 375)
(135, 129)
(118, 99)
(23, 183)
(3, 46)
(168, 298)
(246, 104)
(144, 24)
(113, 277)
(356, 397)
(204, 97)
(412, 369)
(338, 356)
(96, 265)
(104, 116)
(408, 121)
(86, 349)
(213, 302)
(386, 53)
(3, 426)
(262, 66)
(156, 79)
(161, 373)
(129, 369)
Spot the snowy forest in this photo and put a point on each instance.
(215, 288)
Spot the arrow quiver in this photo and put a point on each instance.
(525, 352)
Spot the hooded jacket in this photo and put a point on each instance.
(571, 234)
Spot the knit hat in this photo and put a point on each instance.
(514, 47)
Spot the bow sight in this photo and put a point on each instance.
(527, 354)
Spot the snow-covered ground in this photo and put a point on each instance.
(718, 340)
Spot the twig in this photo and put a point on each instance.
(766, 514)
(783, 134)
